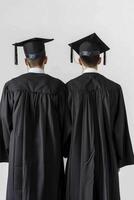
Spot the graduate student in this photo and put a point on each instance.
(32, 120)
(100, 139)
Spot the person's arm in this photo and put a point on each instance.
(121, 134)
(5, 123)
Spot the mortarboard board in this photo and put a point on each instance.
(33, 48)
(89, 46)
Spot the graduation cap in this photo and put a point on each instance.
(89, 46)
(33, 48)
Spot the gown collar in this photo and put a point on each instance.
(36, 70)
(89, 69)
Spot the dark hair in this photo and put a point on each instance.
(93, 60)
(38, 61)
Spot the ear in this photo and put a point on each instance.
(99, 61)
(45, 60)
(80, 62)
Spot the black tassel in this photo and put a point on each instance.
(71, 56)
(16, 55)
(104, 58)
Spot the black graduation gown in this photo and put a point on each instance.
(32, 119)
(100, 140)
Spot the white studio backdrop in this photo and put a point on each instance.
(67, 21)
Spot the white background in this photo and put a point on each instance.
(67, 21)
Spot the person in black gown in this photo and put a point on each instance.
(100, 140)
(32, 112)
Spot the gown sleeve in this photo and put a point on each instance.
(68, 123)
(122, 138)
(5, 123)
(65, 122)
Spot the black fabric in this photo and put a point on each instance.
(15, 55)
(89, 46)
(32, 112)
(33, 48)
(100, 139)
(104, 58)
(33, 43)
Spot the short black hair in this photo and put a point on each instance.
(92, 60)
(38, 61)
